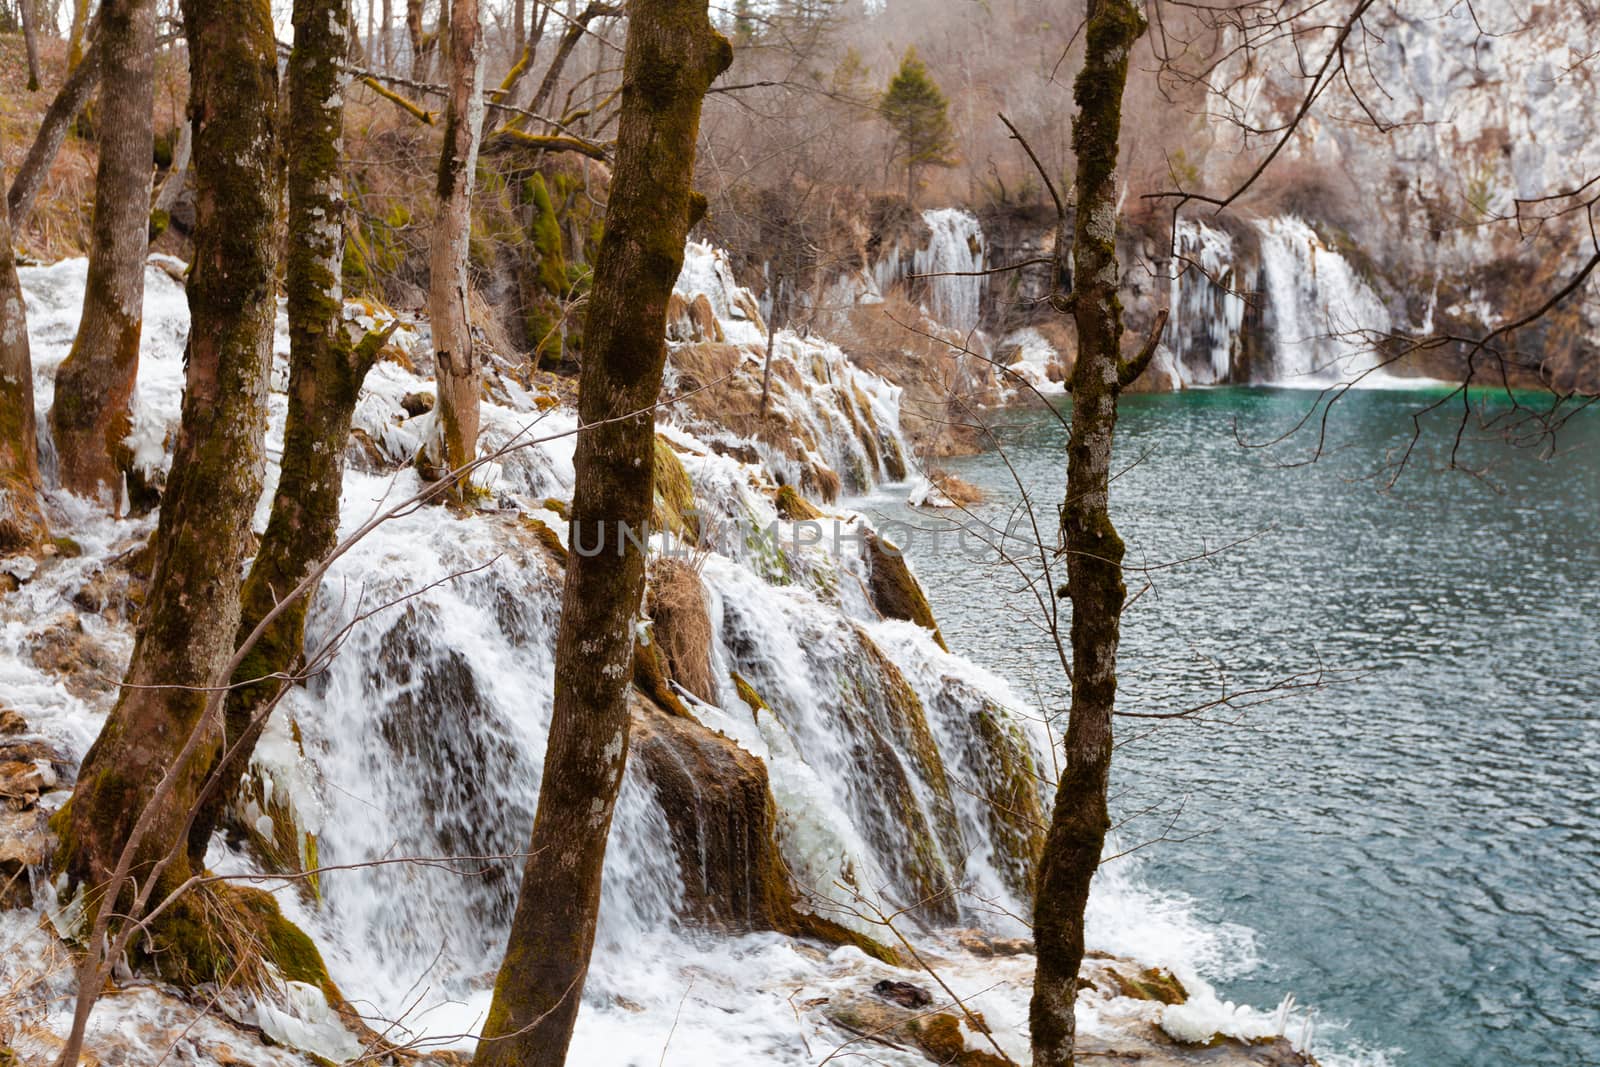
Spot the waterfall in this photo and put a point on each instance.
(956, 249)
(842, 423)
(1207, 302)
(899, 774)
(1319, 311)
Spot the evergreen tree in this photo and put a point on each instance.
(920, 116)
(744, 23)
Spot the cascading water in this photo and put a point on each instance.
(838, 417)
(901, 775)
(954, 253)
(1207, 302)
(1323, 317)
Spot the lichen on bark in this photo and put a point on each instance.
(94, 385)
(1093, 549)
(185, 635)
(671, 57)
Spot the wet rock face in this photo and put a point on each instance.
(87, 668)
(435, 719)
(721, 814)
(895, 591)
(30, 768)
(997, 765)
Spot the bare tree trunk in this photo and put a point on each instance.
(419, 43)
(22, 524)
(455, 367)
(519, 26)
(64, 109)
(30, 37)
(1093, 549)
(328, 360)
(185, 636)
(89, 416)
(387, 52)
(672, 56)
(172, 184)
(77, 46)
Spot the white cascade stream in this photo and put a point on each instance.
(425, 738)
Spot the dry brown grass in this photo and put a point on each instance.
(61, 216)
(682, 628)
(893, 341)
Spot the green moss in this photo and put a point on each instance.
(650, 676)
(748, 694)
(548, 538)
(234, 936)
(794, 507)
(560, 507)
(1152, 983)
(1008, 781)
(66, 547)
(544, 235)
(674, 494)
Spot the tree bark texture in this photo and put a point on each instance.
(671, 57)
(89, 417)
(455, 367)
(1093, 549)
(421, 43)
(185, 636)
(30, 40)
(172, 184)
(387, 42)
(77, 36)
(22, 524)
(69, 101)
(328, 359)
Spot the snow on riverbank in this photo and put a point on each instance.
(426, 737)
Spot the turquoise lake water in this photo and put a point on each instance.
(1416, 850)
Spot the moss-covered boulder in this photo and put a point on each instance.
(895, 591)
(674, 504)
(723, 821)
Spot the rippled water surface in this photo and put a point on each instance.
(1417, 850)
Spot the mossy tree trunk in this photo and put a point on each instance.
(455, 367)
(30, 39)
(185, 636)
(172, 185)
(671, 57)
(1094, 551)
(89, 416)
(421, 41)
(69, 101)
(328, 360)
(22, 524)
(77, 34)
